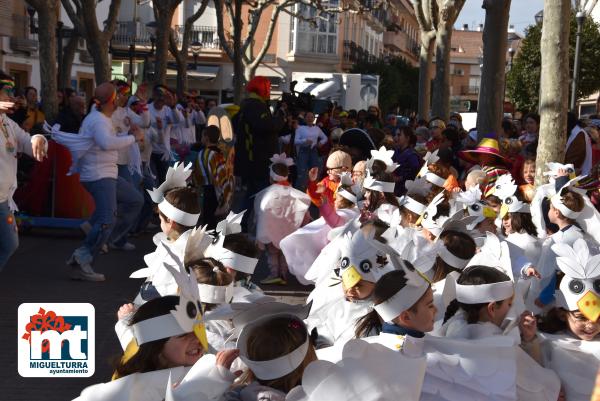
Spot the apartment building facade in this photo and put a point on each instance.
(333, 42)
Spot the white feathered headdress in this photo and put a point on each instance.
(580, 288)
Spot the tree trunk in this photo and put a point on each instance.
(238, 63)
(425, 59)
(490, 109)
(162, 44)
(47, 22)
(554, 85)
(98, 49)
(64, 80)
(182, 79)
(441, 83)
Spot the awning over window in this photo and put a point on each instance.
(202, 72)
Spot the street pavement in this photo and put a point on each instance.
(37, 273)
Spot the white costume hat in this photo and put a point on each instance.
(360, 260)
(346, 180)
(285, 364)
(279, 159)
(375, 185)
(407, 296)
(176, 178)
(506, 189)
(580, 287)
(384, 156)
(435, 179)
(457, 221)
(471, 201)
(230, 225)
(186, 318)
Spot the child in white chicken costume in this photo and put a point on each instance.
(573, 351)
(280, 210)
(336, 307)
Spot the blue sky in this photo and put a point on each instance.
(521, 13)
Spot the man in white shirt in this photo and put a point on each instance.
(98, 174)
(162, 119)
(13, 140)
(308, 139)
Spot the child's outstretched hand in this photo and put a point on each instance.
(313, 174)
(562, 172)
(531, 272)
(226, 357)
(527, 326)
(125, 310)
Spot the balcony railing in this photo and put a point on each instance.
(469, 90)
(205, 35)
(354, 53)
(21, 38)
(131, 32)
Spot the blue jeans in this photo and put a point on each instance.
(306, 158)
(9, 238)
(129, 204)
(104, 192)
(145, 182)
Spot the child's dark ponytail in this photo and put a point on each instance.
(451, 310)
(367, 325)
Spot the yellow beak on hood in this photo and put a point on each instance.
(200, 332)
(491, 191)
(351, 277)
(503, 210)
(589, 306)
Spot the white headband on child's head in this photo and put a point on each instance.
(424, 172)
(279, 159)
(405, 298)
(435, 179)
(412, 205)
(484, 293)
(385, 156)
(346, 179)
(278, 367)
(176, 178)
(186, 317)
(452, 259)
(375, 185)
(177, 215)
(347, 195)
(230, 225)
(557, 200)
(216, 294)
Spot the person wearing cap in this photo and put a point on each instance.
(436, 126)
(337, 163)
(391, 124)
(98, 173)
(487, 155)
(13, 140)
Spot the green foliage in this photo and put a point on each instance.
(523, 81)
(398, 83)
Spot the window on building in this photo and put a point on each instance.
(323, 39)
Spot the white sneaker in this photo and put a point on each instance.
(128, 246)
(85, 272)
(85, 227)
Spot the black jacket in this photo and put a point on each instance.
(256, 138)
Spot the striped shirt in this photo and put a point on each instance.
(211, 169)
